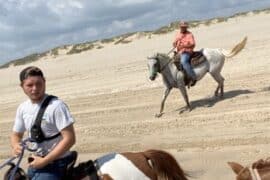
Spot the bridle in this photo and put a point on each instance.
(254, 174)
(156, 58)
(161, 69)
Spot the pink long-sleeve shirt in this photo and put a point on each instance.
(183, 39)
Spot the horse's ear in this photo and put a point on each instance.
(152, 57)
(235, 167)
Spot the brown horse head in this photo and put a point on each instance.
(259, 170)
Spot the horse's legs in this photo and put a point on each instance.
(220, 80)
(217, 89)
(222, 88)
(185, 95)
(165, 95)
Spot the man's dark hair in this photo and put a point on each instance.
(30, 71)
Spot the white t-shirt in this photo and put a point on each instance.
(55, 118)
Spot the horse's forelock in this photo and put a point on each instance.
(160, 57)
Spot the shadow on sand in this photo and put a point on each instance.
(266, 89)
(211, 101)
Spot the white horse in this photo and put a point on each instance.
(173, 78)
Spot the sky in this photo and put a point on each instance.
(35, 26)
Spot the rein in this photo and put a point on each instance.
(161, 69)
(17, 164)
(254, 174)
(24, 146)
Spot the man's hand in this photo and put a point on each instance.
(37, 162)
(17, 149)
(16, 143)
(179, 45)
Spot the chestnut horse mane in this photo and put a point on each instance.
(165, 165)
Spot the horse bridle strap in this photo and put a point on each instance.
(163, 67)
(254, 174)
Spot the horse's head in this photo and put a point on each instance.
(241, 172)
(250, 173)
(153, 66)
(156, 64)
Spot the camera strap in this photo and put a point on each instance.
(36, 131)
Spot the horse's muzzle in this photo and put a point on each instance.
(152, 78)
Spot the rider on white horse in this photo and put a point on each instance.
(184, 43)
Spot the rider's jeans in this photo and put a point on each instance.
(53, 171)
(185, 61)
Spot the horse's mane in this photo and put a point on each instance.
(165, 165)
(164, 58)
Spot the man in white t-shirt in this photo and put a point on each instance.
(52, 157)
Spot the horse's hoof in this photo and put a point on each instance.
(185, 109)
(158, 115)
(182, 111)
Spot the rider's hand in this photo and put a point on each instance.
(17, 149)
(37, 162)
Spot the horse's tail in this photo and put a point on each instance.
(237, 48)
(165, 165)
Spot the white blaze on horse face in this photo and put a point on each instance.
(152, 68)
(120, 168)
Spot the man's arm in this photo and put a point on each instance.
(16, 139)
(176, 39)
(63, 146)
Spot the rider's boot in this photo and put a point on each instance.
(193, 82)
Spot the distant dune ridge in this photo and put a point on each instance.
(105, 83)
(121, 39)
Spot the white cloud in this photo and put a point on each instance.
(29, 26)
(122, 24)
(119, 26)
(126, 2)
(4, 27)
(64, 7)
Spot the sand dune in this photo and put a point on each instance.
(114, 103)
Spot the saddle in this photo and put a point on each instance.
(82, 170)
(196, 59)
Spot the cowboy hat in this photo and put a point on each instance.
(183, 24)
